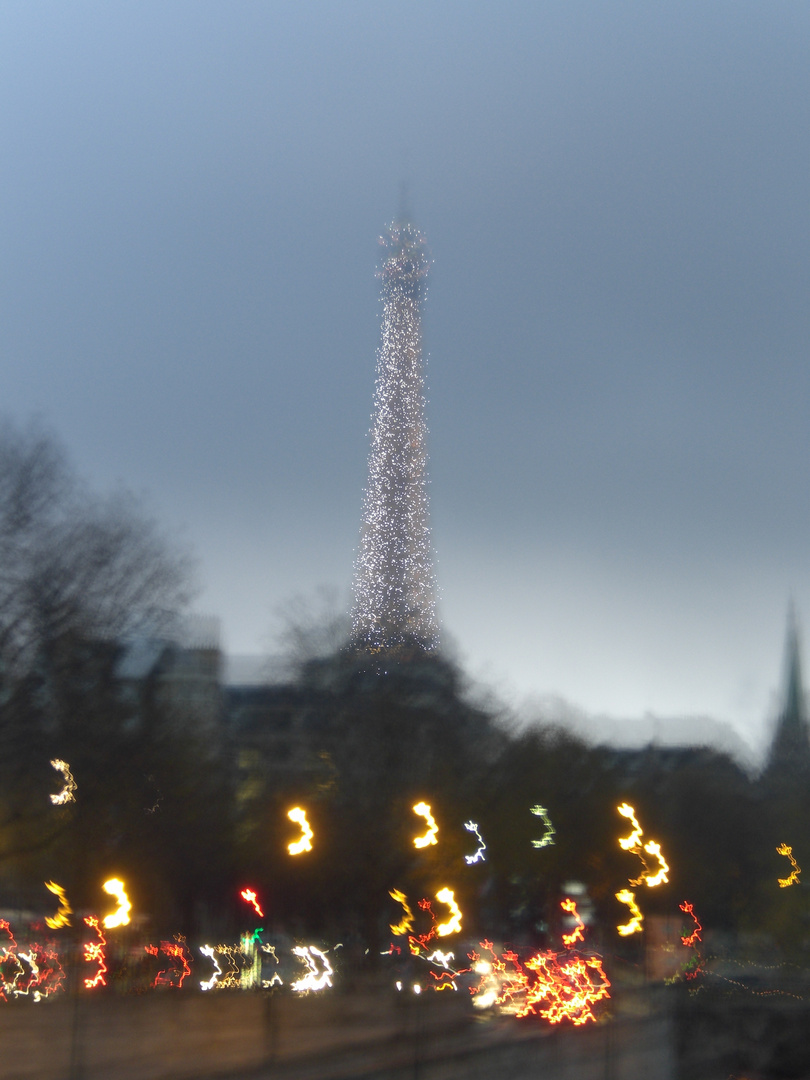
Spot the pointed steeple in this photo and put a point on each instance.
(789, 755)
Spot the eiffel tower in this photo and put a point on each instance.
(394, 585)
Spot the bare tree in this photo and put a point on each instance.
(78, 573)
(309, 628)
(74, 562)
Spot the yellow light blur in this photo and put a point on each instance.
(120, 917)
(299, 816)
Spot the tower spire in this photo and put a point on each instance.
(789, 754)
(394, 588)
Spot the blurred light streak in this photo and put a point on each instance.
(250, 897)
(298, 815)
(250, 976)
(554, 986)
(314, 979)
(692, 968)
(231, 978)
(423, 810)
(33, 980)
(453, 924)
(565, 990)
(9, 955)
(50, 973)
(548, 836)
(657, 879)
(633, 843)
(276, 980)
(690, 939)
(94, 954)
(418, 942)
(627, 896)
(209, 984)
(175, 950)
(577, 933)
(66, 794)
(793, 879)
(120, 917)
(64, 909)
(471, 826)
(406, 925)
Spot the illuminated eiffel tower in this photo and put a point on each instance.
(394, 585)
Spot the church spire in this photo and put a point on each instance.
(789, 755)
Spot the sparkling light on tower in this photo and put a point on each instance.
(394, 588)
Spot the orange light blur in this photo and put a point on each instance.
(453, 924)
(94, 954)
(299, 816)
(577, 933)
(175, 950)
(120, 917)
(64, 909)
(656, 879)
(627, 896)
(250, 896)
(423, 810)
(564, 986)
(793, 879)
(694, 937)
(633, 843)
(406, 925)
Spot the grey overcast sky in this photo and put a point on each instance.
(616, 199)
